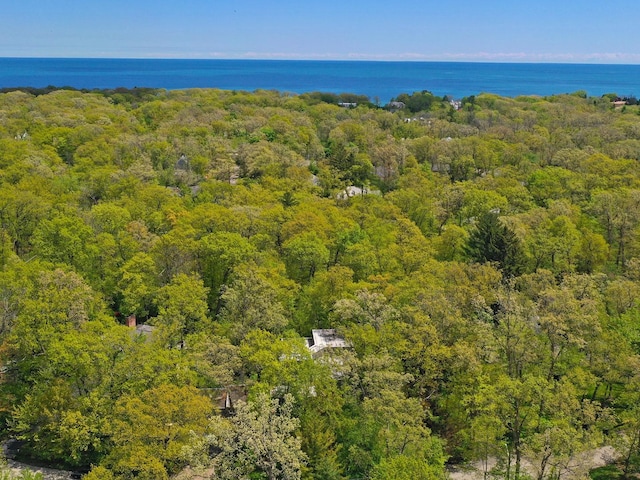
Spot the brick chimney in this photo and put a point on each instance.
(131, 321)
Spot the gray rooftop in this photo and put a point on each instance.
(322, 339)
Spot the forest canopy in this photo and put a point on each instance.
(480, 258)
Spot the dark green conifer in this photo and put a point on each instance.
(492, 241)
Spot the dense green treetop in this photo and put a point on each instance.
(481, 258)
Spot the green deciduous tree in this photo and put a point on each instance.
(250, 303)
(65, 239)
(137, 286)
(218, 254)
(182, 308)
(58, 426)
(260, 442)
(405, 467)
(61, 302)
(304, 255)
(149, 430)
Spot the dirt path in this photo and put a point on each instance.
(577, 468)
(7, 451)
(47, 473)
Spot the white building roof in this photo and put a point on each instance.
(325, 338)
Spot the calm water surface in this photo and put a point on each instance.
(378, 80)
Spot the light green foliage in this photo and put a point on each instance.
(99, 473)
(6, 474)
(150, 429)
(617, 210)
(368, 376)
(16, 284)
(62, 425)
(488, 291)
(283, 363)
(174, 254)
(406, 467)
(366, 309)
(182, 308)
(137, 285)
(215, 359)
(398, 423)
(219, 254)
(594, 252)
(250, 303)
(304, 255)
(451, 243)
(260, 442)
(390, 426)
(68, 413)
(110, 218)
(21, 211)
(65, 239)
(478, 202)
(318, 298)
(59, 302)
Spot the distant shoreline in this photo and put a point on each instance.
(376, 79)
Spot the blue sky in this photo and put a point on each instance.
(587, 31)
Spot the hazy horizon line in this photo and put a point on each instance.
(480, 57)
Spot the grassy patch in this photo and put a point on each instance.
(608, 472)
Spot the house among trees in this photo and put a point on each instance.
(322, 340)
(140, 329)
(394, 106)
(182, 163)
(353, 191)
(226, 398)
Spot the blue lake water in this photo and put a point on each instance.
(378, 80)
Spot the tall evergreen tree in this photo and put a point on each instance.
(493, 241)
